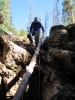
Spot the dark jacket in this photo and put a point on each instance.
(36, 27)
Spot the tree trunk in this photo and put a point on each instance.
(10, 53)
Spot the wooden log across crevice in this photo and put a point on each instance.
(29, 71)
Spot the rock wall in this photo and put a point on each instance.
(53, 79)
(60, 65)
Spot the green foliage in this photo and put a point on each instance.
(66, 23)
(6, 26)
(5, 11)
(68, 11)
(12, 29)
(21, 33)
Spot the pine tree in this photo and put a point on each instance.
(39, 16)
(30, 16)
(46, 22)
(68, 11)
(56, 13)
(5, 11)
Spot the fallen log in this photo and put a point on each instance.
(29, 71)
(12, 57)
(11, 54)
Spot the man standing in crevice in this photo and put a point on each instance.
(35, 31)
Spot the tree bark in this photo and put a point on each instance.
(10, 53)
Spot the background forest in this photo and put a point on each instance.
(68, 16)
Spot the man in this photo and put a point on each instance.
(35, 30)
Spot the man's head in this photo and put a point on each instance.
(1, 19)
(35, 19)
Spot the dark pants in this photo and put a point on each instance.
(36, 34)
